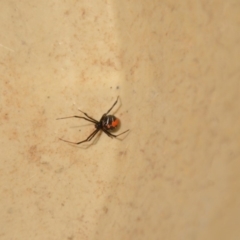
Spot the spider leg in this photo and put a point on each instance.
(89, 138)
(87, 115)
(108, 133)
(90, 120)
(112, 106)
(112, 135)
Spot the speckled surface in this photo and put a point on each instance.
(176, 69)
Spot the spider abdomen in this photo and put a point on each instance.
(110, 122)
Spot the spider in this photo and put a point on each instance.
(106, 124)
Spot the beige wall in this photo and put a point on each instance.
(175, 66)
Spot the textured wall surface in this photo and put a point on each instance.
(175, 66)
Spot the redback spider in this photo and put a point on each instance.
(106, 124)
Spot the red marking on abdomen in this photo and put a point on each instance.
(115, 123)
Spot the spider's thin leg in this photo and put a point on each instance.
(108, 133)
(90, 120)
(112, 106)
(93, 134)
(87, 115)
(89, 138)
(112, 135)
